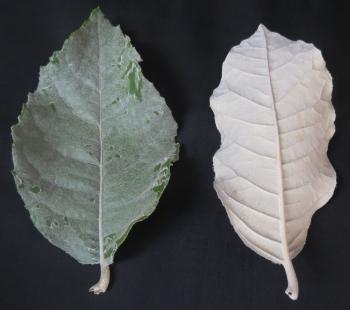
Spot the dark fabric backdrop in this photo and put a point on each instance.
(186, 255)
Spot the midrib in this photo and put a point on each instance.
(292, 289)
(100, 211)
(284, 243)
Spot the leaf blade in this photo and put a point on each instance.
(272, 101)
(87, 143)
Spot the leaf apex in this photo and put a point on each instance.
(261, 27)
(96, 11)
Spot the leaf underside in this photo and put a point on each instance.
(273, 110)
(94, 144)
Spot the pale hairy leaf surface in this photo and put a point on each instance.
(274, 113)
(94, 144)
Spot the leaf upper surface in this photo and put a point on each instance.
(94, 144)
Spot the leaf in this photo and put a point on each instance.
(273, 110)
(93, 146)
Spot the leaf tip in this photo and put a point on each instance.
(261, 27)
(96, 11)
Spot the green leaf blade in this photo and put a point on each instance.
(88, 141)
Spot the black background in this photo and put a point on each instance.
(186, 255)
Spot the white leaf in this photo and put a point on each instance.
(273, 110)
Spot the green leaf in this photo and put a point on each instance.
(93, 146)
